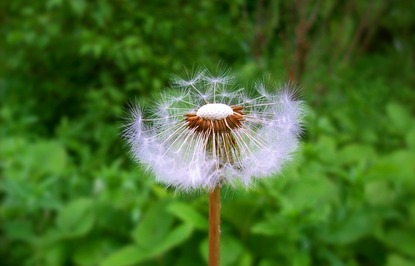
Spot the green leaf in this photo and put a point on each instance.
(411, 210)
(77, 218)
(19, 230)
(397, 167)
(331, 257)
(396, 260)
(91, 251)
(128, 255)
(399, 116)
(301, 259)
(188, 214)
(174, 238)
(154, 226)
(354, 227)
(39, 158)
(133, 254)
(54, 255)
(355, 153)
(326, 148)
(239, 208)
(379, 192)
(313, 190)
(50, 157)
(246, 259)
(53, 3)
(410, 138)
(401, 239)
(325, 125)
(267, 262)
(265, 228)
(274, 225)
(78, 6)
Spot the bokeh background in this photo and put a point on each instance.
(71, 195)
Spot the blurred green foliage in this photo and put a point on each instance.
(71, 196)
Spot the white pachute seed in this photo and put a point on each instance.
(214, 111)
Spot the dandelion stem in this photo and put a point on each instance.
(214, 226)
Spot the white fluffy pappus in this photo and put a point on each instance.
(204, 132)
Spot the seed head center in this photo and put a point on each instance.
(215, 118)
(214, 111)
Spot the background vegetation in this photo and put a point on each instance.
(70, 194)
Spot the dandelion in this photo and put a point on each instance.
(202, 133)
(205, 132)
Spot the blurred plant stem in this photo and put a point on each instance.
(214, 226)
(302, 29)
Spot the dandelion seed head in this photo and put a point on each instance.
(208, 133)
